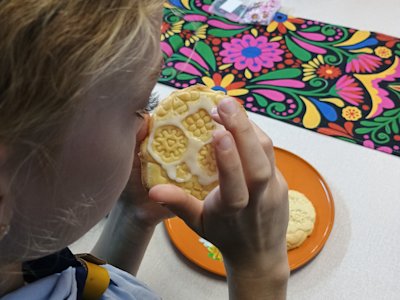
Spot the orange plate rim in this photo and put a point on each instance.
(175, 225)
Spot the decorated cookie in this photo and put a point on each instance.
(178, 148)
(301, 219)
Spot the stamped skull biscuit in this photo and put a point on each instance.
(178, 149)
(301, 219)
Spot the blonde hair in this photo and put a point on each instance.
(51, 53)
(52, 50)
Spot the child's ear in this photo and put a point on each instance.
(5, 210)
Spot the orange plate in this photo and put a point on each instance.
(301, 176)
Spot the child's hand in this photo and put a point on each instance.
(135, 196)
(131, 223)
(247, 216)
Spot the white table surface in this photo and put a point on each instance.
(361, 259)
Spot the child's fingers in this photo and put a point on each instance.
(233, 190)
(140, 136)
(136, 181)
(264, 139)
(142, 133)
(185, 206)
(215, 116)
(256, 166)
(265, 142)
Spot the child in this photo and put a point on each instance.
(75, 79)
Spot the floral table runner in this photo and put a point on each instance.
(334, 80)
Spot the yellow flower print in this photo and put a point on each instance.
(283, 23)
(383, 52)
(351, 113)
(317, 67)
(168, 30)
(193, 36)
(310, 68)
(225, 84)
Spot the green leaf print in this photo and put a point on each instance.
(381, 127)
(225, 33)
(395, 128)
(363, 130)
(280, 74)
(261, 100)
(176, 42)
(184, 76)
(312, 29)
(193, 26)
(297, 51)
(205, 51)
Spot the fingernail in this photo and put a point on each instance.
(225, 143)
(161, 203)
(140, 114)
(214, 111)
(228, 106)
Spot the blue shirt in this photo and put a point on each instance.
(63, 285)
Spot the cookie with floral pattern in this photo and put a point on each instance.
(178, 148)
(301, 219)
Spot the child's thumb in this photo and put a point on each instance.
(185, 206)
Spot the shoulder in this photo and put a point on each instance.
(124, 286)
(57, 286)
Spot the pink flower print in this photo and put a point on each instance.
(374, 84)
(252, 53)
(166, 49)
(194, 18)
(349, 90)
(364, 63)
(370, 144)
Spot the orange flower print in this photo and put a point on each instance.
(328, 72)
(318, 67)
